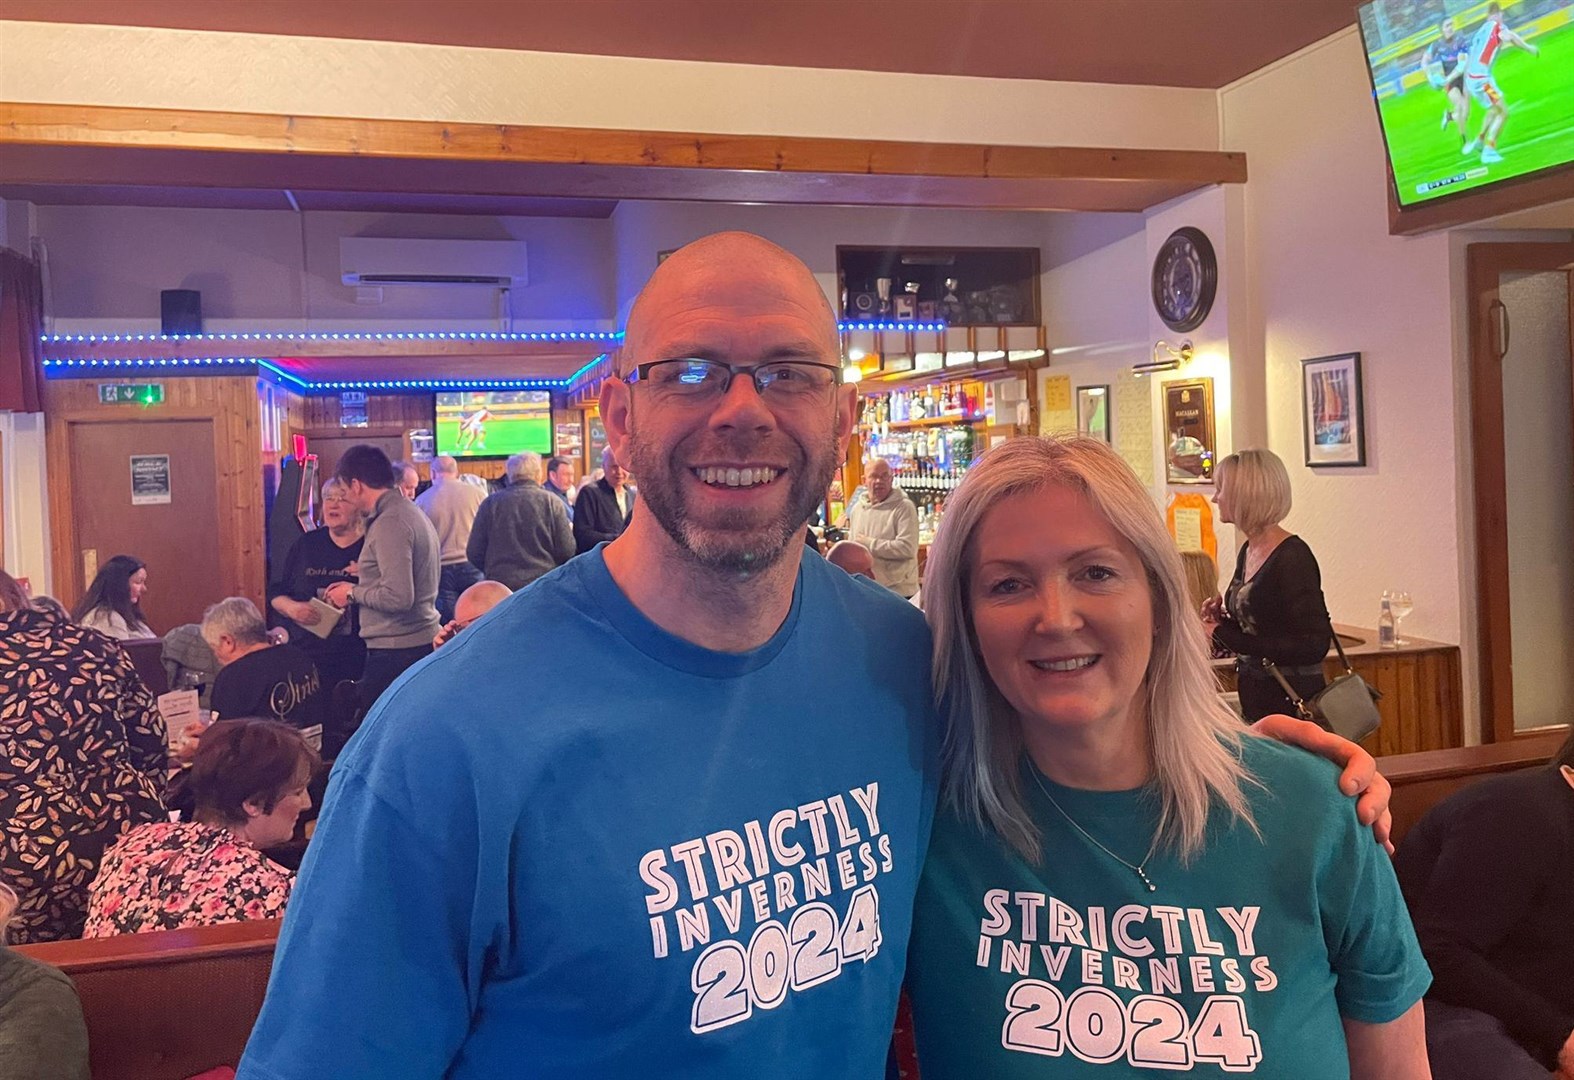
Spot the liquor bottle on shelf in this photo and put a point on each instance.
(1387, 635)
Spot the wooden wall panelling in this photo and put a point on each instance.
(230, 401)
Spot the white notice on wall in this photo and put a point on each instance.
(149, 479)
(1188, 529)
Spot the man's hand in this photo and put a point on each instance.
(338, 594)
(1360, 776)
(446, 633)
(1566, 1060)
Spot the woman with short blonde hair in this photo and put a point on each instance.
(1120, 875)
(1272, 611)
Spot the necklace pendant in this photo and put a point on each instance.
(1151, 887)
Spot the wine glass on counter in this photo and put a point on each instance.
(1398, 603)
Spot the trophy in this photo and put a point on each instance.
(951, 304)
(882, 287)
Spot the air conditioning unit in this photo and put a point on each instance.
(374, 261)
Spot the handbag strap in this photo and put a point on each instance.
(1339, 645)
(1289, 691)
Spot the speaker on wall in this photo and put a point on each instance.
(181, 311)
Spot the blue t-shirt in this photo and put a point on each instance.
(1242, 962)
(687, 863)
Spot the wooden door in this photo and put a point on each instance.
(1493, 271)
(177, 538)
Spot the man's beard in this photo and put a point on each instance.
(733, 541)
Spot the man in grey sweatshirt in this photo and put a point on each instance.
(398, 571)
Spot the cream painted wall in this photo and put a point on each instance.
(279, 270)
(182, 69)
(1096, 312)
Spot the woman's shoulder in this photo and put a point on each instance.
(23, 978)
(1289, 779)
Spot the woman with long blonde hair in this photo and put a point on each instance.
(1121, 877)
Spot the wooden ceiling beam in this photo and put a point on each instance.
(47, 143)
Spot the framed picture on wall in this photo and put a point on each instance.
(1333, 421)
(1093, 406)
(1189, 451)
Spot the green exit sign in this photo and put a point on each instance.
(131, 393)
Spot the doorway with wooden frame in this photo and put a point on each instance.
(1522, 400)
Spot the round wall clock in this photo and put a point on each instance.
(1185, 279)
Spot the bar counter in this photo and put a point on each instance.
(1422, 704)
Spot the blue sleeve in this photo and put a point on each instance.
(379, 963)
(1372, 945)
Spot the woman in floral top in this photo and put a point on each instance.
(248, 784)
(82, 760)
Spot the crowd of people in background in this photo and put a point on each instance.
(1069, 644)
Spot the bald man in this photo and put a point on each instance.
(887, 524)
(683, 866)
(852, 557)
(473, 603)
(527, 881)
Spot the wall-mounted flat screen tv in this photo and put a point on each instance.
(494, 423)
(1470, 94)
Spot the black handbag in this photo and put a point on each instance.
(1347, 706)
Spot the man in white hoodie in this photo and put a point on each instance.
(887, 524)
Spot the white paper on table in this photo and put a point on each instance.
(180, 711)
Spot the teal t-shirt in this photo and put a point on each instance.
(1242, 962)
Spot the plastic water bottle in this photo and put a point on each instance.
(1386, 636)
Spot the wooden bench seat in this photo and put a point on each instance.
(167, 1005)
(1424, 779)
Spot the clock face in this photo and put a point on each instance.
(1185, 277)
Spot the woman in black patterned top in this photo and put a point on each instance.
(1273, 608)
(82, 760)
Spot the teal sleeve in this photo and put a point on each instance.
(1372, 945)
(378, 964)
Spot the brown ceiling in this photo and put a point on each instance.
(1199, 43)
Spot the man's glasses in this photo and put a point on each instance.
(690, 380)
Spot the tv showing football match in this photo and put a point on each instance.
(1471, 94)
(494, 423)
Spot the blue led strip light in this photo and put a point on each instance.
(421, 335)
(429, 335)
(874, 327)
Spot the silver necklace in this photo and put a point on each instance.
(1135, 868)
